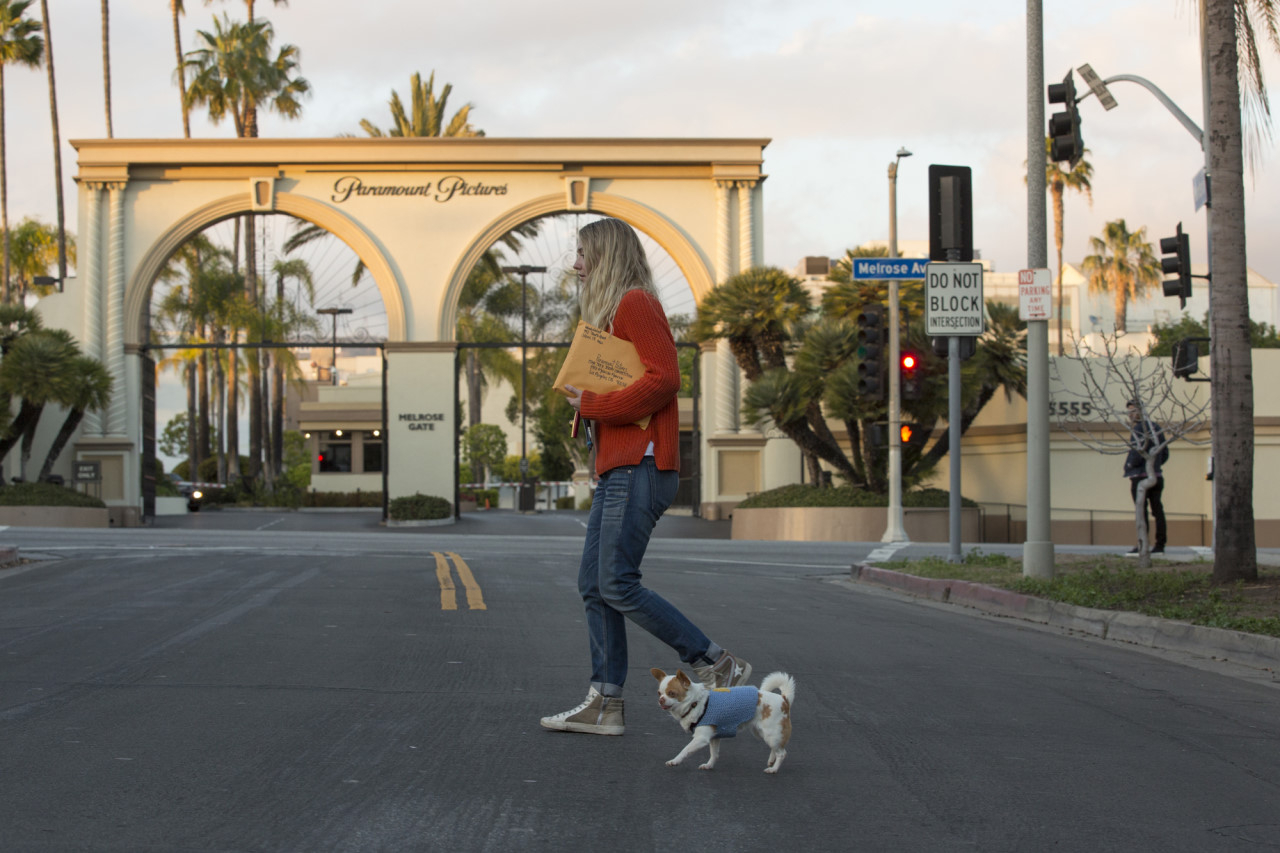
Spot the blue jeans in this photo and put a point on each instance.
(628, 502)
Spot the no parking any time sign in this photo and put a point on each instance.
(953, 300)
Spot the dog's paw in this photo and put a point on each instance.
(772, 768)
(673, 762)
(707, 766)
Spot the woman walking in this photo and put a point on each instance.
(638, 473)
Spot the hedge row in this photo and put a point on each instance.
(801, 495)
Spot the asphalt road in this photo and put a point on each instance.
(305, 687)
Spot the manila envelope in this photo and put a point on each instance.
(599, 362)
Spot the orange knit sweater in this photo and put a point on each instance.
(618, 441)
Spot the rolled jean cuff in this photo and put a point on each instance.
(611, 691)
(711, 655)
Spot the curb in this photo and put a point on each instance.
(1253, 650)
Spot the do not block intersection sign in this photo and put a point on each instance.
(953, 300)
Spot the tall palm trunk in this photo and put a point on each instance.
(277, 376)
(182, 76)
(1234, 545)
(219, 415)
(4, 195)
(106, 62)
(205, 447)
(254, 362)
(193, 443)
(231, 423)
(1120, 293)
(57, 143)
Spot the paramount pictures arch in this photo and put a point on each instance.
(419, 213)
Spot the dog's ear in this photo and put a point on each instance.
(657, 673)
(682, 678)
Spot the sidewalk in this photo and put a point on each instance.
(1252, 650)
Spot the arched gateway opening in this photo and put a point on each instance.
(419, 214)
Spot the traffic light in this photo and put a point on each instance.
(1186, 358)
(905, 432)
(871, 331)
(1177, 260)
(1064, 127)
(912, 382)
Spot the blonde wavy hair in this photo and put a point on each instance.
(615, 263)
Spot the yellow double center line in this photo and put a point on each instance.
(448, 592)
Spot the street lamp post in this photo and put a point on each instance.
(895, 531)
(334, 312)
(523, 271)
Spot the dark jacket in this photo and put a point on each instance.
(1141, 439)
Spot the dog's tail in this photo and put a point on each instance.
(781, 683)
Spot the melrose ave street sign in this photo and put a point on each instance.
(882, 269)
(953, 300)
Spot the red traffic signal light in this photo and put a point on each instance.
(909, 363)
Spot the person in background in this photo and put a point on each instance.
(1144, 436)
(638, 471)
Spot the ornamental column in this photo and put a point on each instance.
(724, 231)
(117, 411)
(746, 225)
(91, 254)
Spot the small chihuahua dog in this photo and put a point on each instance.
(712, 714)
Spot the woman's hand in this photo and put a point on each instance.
(575, 398)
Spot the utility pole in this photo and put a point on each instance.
(1037, 550)
(895, 531)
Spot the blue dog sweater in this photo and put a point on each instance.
(728, 708)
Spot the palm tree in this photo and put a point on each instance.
(36, 370)
(20, 44)
(90, 391)
(175, 9)
(1123, 265)
(427, 115)
(235, 73)
(33, 250)
(1059, 179)
(760, 312)
(106, 62)
(57, 141)
(286, 321)
(1225, 24)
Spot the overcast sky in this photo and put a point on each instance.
(838, 85)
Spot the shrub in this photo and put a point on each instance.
(419, 507)
(480, 496)
(802, 495)
(565, 502)
(342, 499)
(585, 503)
(45, 494)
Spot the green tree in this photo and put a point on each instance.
(761, 313)
(1261, 335)
(426, 115)
(34, 251)
(285, 322)
(1123, 265)
(89, 391)
(484, 447)
(235, 73)
(37, 370)
(20, 44)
